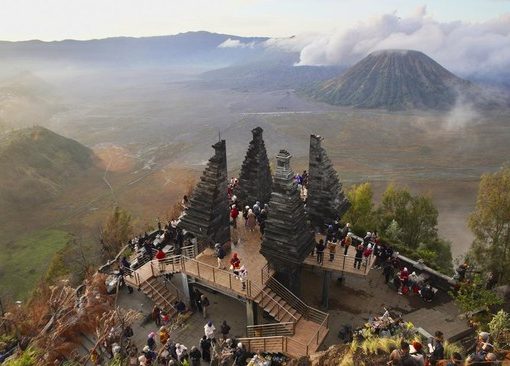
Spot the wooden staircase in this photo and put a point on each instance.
(277, 307)
(156, 290)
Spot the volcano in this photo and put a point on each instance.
(393, 80)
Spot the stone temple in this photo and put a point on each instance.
(326, 201)
(255, 181)
(287, 240)
(207, 217)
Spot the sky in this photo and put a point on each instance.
(50, 20)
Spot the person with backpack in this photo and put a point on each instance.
(220, 254)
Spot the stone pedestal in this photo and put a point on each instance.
(326, 201)
(287, 238)
(207, 216)
(255, 180)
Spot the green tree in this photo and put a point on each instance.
(361, 213)
(472, 296)
(490, 223)
(499, 327)
(116, 232)
(415, 215)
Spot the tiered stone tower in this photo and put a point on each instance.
(287, 238)
(326, 201)
(207, 216)
(255, 180)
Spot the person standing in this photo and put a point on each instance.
(332, 249)
(209, 330)
(243, 276)
(436, 348)
(234, 213)
(197, 298)
(204, 301)
(220, 254)
(359, 256)
(319, 247)
(225, 330)
(205, 346)
(235, 264)
(347, 243)
(251, 220)
(194, 356)
(156, 315)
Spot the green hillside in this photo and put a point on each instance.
(37, 164)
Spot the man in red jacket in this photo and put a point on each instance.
(234, 212)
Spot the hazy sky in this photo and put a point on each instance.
(84, 19)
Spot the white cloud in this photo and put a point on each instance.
(235, 43)
(463, 47)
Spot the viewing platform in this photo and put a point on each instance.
(299, 329)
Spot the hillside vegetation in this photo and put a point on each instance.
(36, 165)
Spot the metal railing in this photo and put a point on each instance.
(159, 294)
(259, 295)
(268, 344)
(270, 330)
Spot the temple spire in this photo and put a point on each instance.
(326, 201)
(207, 216)
(287, 238)
(255, 180)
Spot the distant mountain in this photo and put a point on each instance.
(268, 76)
(394, 80)
(36, 164)
(191, 49)
(26, 100)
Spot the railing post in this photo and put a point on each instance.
(152, 268)
(230, 280)
(213, 276)
(198, 269)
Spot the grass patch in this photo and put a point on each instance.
(27, 259)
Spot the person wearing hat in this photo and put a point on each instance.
(416, 352)
(243, 276)
(151, 342)
(164, 336)
(209, 330)
(234, 213)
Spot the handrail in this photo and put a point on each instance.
(160, 295)
(287, 295)
(273, 329)
(278, 342)
(280, 306)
